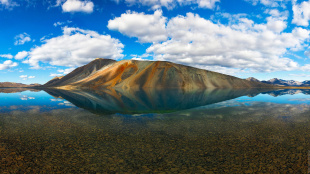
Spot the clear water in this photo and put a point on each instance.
(212, 131)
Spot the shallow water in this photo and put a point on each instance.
(213, 131)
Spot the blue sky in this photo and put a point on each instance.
(40, 39)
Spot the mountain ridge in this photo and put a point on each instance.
(281, 82)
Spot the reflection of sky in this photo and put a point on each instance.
(28, 98)
(284, 99)
(296, 99)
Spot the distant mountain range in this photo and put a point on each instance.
(134, 74)
(280, 82)
(16, 85)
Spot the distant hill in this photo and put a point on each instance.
(134, 74)
(16, 85)
(280, 82)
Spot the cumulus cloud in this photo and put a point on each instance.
(301, 13)
(277, 20)
(21, 55)
(75, 47)
(22, 39)
(26, 77)
(243, 45)
(7, 65)
(7, 56)
(73, 6)
(276, 25)
(170, 4)
(146, 27)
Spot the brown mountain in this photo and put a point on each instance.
(134, 74)
(16, 85)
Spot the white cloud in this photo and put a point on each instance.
(8, 4)
(146, 27)
(170, 4)
(301, 13)
(75, 47)
(26, 77)
(243, 45)
(62, 71)
(8, 64)
(8, 56)
(276, 25)
(22, 39)
(72, 6)
(270, 3)
(207, 3)
(61, 23)
(56, 75)
(21, 55)
(66, 71)
(300, 75)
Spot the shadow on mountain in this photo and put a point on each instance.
(147, 101)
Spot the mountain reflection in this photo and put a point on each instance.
(280, 92)
(147, 101)
(17, 90)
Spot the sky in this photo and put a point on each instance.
(41, 39)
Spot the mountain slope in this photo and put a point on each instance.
(134, 74)
(80, 73)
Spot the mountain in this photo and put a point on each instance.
(252, 79)
(280, 82)
(16, 85)
(134, 74)
(306, 83)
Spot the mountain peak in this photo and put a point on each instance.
(252, 79)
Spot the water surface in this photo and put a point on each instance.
(211, 131)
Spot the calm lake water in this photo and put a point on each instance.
(212, 131)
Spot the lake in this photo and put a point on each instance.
(153, 131)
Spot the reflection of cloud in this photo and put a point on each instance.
(66, 103)
(25, 97)
(56, 99)
(300, 99)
